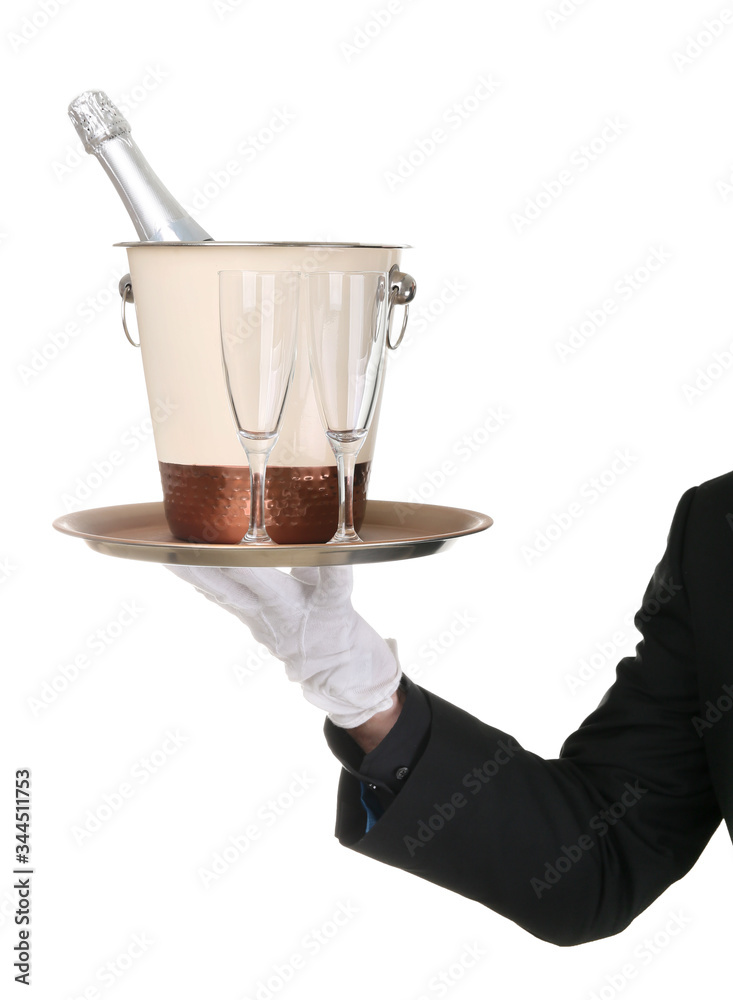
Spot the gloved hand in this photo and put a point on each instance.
(306, 619)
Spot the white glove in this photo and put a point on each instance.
(305, 618)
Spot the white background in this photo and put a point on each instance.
(195, 82)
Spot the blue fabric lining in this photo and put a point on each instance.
(372, 805)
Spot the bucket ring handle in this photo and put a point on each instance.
(402, 289)
(127, 296)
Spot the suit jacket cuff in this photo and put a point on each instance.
(386, 768)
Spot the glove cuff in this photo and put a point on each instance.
(349, 720)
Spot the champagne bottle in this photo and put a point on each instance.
(105, 134)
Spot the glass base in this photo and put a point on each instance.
(256, 539)
(339, 539)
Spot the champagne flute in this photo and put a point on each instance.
(258, 314)
(346, 349)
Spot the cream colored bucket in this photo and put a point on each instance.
(204, 473)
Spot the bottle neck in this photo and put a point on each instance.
(154, 211)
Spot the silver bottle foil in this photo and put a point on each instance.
(105, 133)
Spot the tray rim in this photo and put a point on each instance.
(176, 551)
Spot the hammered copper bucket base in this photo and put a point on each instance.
(210, 503)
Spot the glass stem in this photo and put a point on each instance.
(346, 452)
(257, 454)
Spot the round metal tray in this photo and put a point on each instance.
(391, 530)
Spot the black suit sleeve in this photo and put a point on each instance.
(573, 848)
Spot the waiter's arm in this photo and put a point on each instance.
(573, 848)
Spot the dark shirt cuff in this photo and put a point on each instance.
(387, 767)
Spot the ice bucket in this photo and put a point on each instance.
(203, 468)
